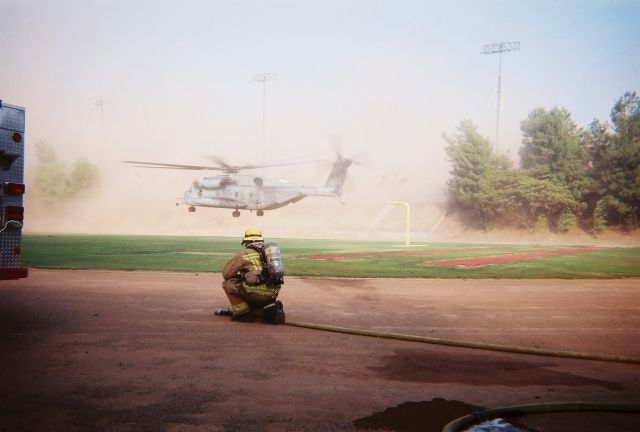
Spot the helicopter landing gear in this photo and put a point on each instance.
(235, 213)
(192, 209)
(260, 213)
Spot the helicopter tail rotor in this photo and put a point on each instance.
(338, 174)
(336, 142)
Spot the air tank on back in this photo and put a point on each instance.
(275, 266)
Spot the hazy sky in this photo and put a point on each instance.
(388, 76)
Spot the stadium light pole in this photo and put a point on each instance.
(264, 78)
(100, 103)
(499, 48)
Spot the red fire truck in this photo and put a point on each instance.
(11, 190)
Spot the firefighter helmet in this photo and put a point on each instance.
(252, 234)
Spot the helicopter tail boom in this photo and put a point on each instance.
(337, 176)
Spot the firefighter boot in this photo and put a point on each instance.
(273, 313)
(279, 313)
(223, 312)
(245, 317)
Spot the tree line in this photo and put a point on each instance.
(54, 182)
(568, 176)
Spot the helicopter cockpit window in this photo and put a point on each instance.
(257, 181)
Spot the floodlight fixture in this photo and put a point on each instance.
(264, 77)
(501, 47)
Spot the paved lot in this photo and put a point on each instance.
(131, 351)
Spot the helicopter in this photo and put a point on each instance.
(237, 191)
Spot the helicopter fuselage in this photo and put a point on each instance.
(248, 192)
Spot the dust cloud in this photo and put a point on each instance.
(129, 200)
(394, 167)
(398, 145)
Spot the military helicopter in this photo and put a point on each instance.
(237, 191)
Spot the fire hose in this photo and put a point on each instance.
(469, 344)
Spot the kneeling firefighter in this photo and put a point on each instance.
(252, 280)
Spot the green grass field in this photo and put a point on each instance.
(208, 254)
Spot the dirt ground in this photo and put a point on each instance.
(142, 351)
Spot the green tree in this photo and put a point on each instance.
(45, 153)
(568, 175)
(553, 149)
(82, 176)
(615, 166)
(53, 182)
(599, 216)
(622, 169)
(597, 138)
(513, 198)
(49, 182)
(472, 158)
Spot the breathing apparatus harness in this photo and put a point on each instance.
(272, 266)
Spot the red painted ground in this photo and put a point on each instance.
(456, 262)
(499, 259)
(377, 254)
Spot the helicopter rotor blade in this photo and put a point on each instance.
(335, 141)
(276, 163)
(141, 164)
(283, 163)
(223, 165)
(221, 162)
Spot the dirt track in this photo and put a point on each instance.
(130, 351)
